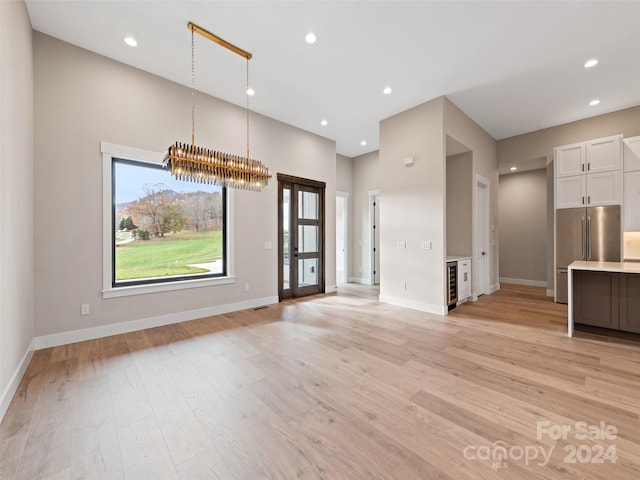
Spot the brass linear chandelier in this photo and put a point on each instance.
(203, 165)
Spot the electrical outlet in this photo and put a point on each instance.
(85, 309)
(268, 245)
(246, 287)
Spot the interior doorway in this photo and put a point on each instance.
(300, 237)
(342, 237)
(482, 250)
(374, 215)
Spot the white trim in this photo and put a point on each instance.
(524, 281)
(64, 338)
(494, 288)
(14, 383)
(331, 289)
(551, 292)
(347, 219)
(421, 306)
(165, 286)
(109, 151)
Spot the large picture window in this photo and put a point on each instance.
(163, 229)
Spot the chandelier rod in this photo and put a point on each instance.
(220, 41)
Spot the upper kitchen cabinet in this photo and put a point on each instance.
(604, 154)
(589, 173)
(570, 160)
(632, 154)
(594, 156)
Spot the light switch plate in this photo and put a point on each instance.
(402, 244)
(268, 245)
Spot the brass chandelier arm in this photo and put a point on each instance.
(220, 41)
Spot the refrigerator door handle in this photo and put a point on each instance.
(588, 237)
(584, 239)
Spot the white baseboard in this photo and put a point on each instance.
(494, 288)
(551, 292)
(364, 281)
(523, 281)
(74, 336)
(331, 289)
(12, 387)
(421, 306)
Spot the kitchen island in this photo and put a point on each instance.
(604, 294)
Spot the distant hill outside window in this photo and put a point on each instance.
(165, 229)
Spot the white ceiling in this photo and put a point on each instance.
(513, 67)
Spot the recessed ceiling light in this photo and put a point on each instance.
(310, 38)
(387, 90)
(251, 92)
(324, 123)
(594, 102)
(363, 143)
(131, 41)
(513, 169)
(591, 63)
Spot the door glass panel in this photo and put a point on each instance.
(286, 227)
(307, 238)
(308, 205)
(307, 272)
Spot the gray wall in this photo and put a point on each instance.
(344, 175)
(81, 99)
(460, 204)
(460, 127)
(16, 195)
(523, 232)
(366, 176)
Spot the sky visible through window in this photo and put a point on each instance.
(128, 181)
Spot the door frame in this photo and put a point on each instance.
(346, 219)
(485, 184)
(304, 182)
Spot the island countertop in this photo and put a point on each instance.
(618, 267)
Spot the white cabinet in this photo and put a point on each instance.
(631, 204)
(631, 154)
(603, 189)
(464, 279)
(594, 156)
(596, 189)
(570, 160)
(570, 191)
(632, 201)
(604, 154)
(588, 173)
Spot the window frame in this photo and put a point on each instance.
(111, 152)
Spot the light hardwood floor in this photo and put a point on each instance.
(332, 387)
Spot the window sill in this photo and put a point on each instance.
(165, 287)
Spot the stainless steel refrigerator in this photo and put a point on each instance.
(591, 233)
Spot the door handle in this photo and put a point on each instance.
(584, 239)
(589, 237)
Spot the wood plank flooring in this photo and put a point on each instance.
(334, 387)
